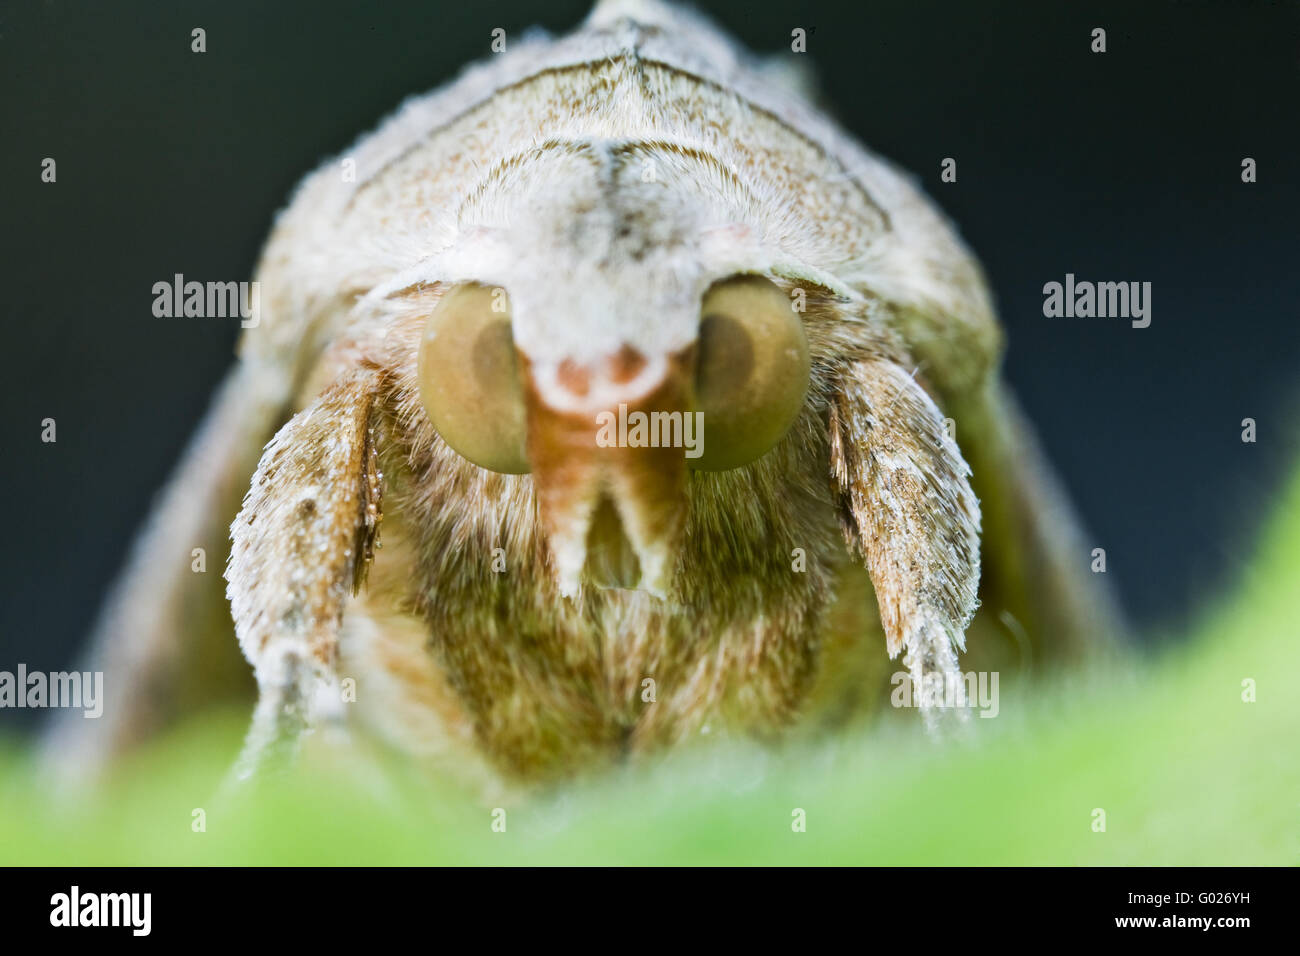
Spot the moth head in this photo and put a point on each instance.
(608, 435)
(607, 349)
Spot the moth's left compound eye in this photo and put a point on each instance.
(753, 371)
(469, 378)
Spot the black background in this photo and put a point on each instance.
(1122, 166)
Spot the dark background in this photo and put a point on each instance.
(1122, 166)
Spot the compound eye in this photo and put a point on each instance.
(469, 378)
(752, 371)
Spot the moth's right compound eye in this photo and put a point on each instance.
(469, 378)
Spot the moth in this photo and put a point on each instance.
(437, 541)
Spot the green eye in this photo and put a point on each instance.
(751, 373)
(469, 378)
